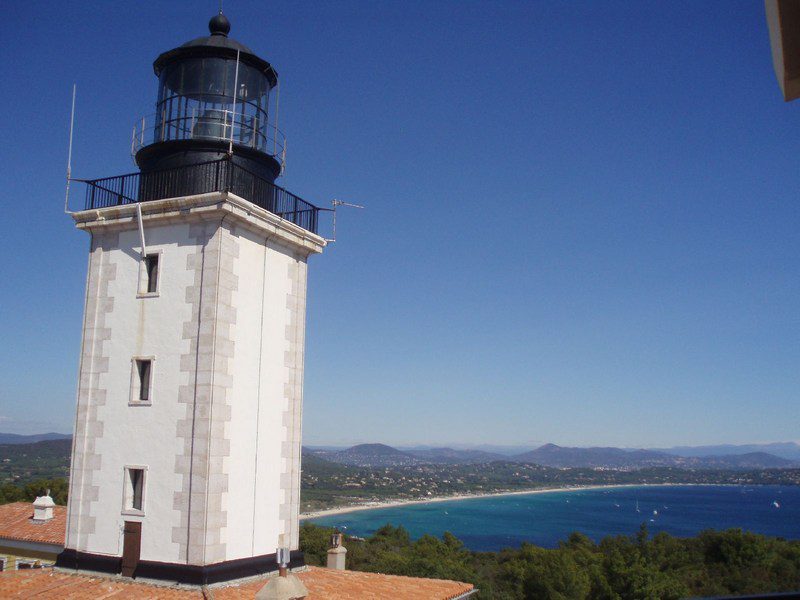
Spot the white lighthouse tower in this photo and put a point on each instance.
(186, 456)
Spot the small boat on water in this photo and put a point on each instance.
(776, 504)
(637, 506)
(655, 513)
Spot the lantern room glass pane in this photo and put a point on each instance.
(195, 101)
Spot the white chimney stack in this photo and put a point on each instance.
(43, 508)
(337, 553)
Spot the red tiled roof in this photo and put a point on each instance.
(322, 584)
(16, 524)
(327, 584)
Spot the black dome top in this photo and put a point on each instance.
(219, 25)
(217, 44)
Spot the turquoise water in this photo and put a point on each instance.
(545, 519)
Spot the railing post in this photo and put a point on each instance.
(119, 192)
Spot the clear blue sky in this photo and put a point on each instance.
(582, 221)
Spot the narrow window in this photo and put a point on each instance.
(151, 272)
(135, 491)
(144, 368)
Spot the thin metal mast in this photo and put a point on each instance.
(69, 151)
(334, 204)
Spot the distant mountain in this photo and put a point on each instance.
(551, 455)
(788, 450)
(500, 450)
(315, 465)
(451, 456)
(22, 463)
(751, 460)
(38, 450)
(13, 438)
(369, 455)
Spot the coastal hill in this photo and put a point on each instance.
(456, 457)
(788, 450)
(21, 462)
(369, 455)
(27, 469)
(549, 455)
(15, 438)
(381, 455)
(39, 460)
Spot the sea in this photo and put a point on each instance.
(492, 523)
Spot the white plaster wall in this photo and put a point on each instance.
(256, 433)
(143, 435)
(257, 397)
(242, 428)
(267, 525)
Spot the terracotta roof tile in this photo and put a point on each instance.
(16, 524)
(327, 584)
(322, 584)
(47, 583)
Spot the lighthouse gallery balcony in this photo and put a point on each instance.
(223, 175)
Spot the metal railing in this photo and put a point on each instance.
(251, 131)
(215, 176)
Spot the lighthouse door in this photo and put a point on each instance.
(131, 546)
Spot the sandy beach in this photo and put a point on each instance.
(391, 503)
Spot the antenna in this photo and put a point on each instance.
(69, 152)
(334, 204)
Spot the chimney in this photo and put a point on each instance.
(286, 586)
(337, 553)
(43, 508)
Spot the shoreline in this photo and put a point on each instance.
(328, 512)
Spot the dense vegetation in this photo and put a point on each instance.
(661, 567)
(24, 463)
(29, 491)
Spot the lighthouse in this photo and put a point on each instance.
(186, 452)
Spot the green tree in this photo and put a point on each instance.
(618, 568)
(555, 575)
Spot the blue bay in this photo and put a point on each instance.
(496, 522)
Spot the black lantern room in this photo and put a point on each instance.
(213, 101)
